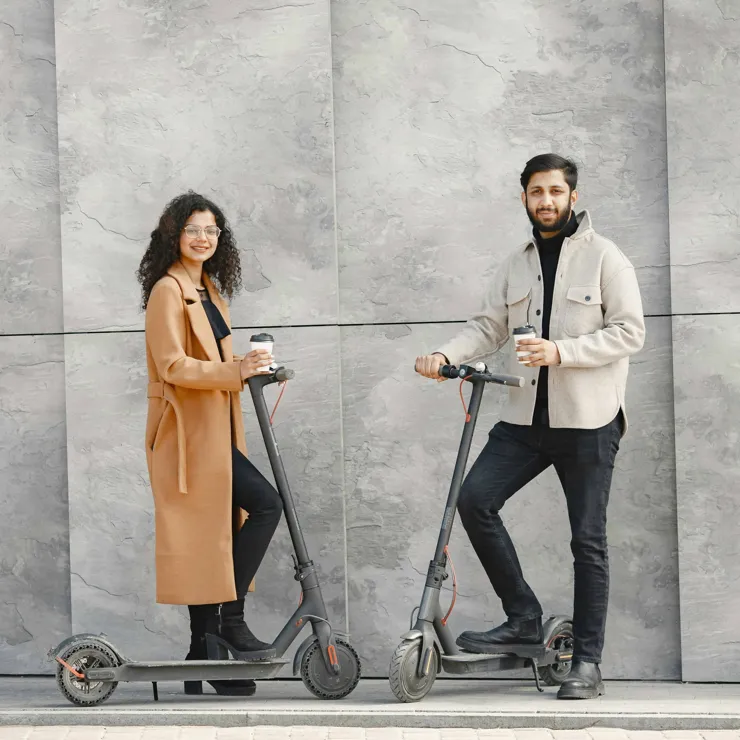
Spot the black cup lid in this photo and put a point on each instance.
(526, 329)
(261, 338)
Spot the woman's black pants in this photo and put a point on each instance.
(252, 492)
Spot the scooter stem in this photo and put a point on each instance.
(256, 386)
(460, 464)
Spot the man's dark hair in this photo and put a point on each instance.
(547, 162)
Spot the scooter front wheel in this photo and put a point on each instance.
(320, 682)
(80, 657)
(403, 676)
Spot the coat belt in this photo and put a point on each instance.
(163, 390)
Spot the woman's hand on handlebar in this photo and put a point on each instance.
(253, 362)
(429, 365)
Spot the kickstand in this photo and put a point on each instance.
(155, 691)
(536, 672)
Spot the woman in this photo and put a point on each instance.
(215, 513)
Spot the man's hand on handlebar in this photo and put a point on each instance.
(429, 365)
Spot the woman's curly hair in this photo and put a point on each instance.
(224, 268)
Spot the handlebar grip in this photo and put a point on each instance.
(449, 371)
(284, 373)
(511, 380)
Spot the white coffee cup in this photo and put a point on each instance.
(523, 332)
(263, 341)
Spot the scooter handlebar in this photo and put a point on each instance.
(511, 380)
(465, 371)
(283, 373)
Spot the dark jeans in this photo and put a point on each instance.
(583, 460)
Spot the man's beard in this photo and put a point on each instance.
(555, 226)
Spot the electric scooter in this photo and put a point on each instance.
(89, 666)
(429, 647)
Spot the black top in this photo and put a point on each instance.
(549, 250)
(218, 325)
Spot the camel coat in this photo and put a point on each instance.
(194, 417)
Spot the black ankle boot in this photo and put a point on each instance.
(234, 629)
(204, 619)
(583, 682)
(527, 632)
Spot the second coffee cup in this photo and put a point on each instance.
(523, 332)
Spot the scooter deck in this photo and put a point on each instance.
(464, 663)
(538, 651)
(179, 670)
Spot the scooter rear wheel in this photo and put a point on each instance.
(405, 682)
(562, 641)
(323, 684)
(83, 656)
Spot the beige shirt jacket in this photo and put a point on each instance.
(596, 322)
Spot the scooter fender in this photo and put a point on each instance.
(552, 626)
(305, 645)
(55, 652)
(429, 644)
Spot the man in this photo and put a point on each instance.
(581, 294)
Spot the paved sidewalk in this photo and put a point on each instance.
(452, 704)
(328, 733)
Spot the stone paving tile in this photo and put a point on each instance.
(15, 733)
(111, 733)
(346, 733)
(232, 733)
(49, 733)
(193, 733)
(607, 733)
(274, 733)
(155, 733)
(384, 733)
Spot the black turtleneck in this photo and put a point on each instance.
(549, 250)
(219, 327)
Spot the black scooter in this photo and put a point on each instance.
(89, 666)
(429, 647)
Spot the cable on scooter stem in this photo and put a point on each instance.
(454, 585)
(283, 375)
(277, 403)
(462, 398)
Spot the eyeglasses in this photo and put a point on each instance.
(211, 232)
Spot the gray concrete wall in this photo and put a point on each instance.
(367, 155)
(34, 527)
(703, 105)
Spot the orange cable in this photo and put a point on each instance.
(70, 669)
(462, 398)
(277, 403)
(454, 585)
